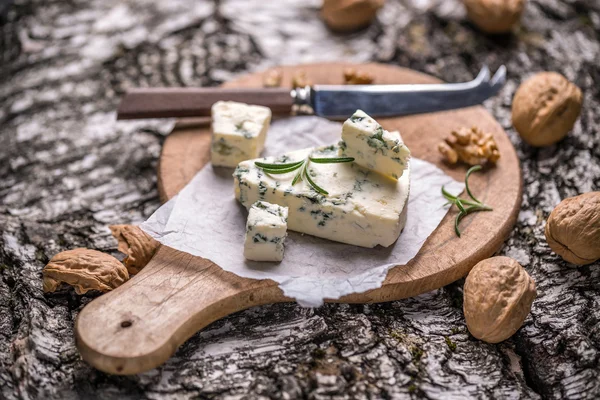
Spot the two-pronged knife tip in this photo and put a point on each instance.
(485, 76)
(494, 83)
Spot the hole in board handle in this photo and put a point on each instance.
(126, 324)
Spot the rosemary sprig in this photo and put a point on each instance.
(302, 166)
(465, 206)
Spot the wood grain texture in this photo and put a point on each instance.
(177, 294)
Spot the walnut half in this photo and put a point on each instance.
(573, 229)
(136, 244)
(498, 294)
(84, 269)
(471, 146)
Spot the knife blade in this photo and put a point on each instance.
(332, 101)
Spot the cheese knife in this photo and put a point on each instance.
(331, 101)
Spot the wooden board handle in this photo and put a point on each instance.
(197, 102)
(141, 324)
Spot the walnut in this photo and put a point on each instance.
(272, 78)
(84, 269)
(349, 15)
(299, 79)
(545, 108)
(494, 16)
(573, 229)
(471, 146)
(136, 244)
(354, 77)
(497, 297)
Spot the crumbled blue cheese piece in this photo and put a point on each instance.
(363, 208)
(373, 147)
(238, 132)
(266, 230)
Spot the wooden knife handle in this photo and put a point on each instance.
(196, 102)
(139, 325)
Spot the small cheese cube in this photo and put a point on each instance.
(373, 147)
(239, 132)
(266, 230)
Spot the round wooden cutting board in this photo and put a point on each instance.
(140, 325)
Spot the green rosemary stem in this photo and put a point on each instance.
(473, 205)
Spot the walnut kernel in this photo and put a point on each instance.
(299, 79)
(471, 146)
(573, 229)
(136, 244)
(498, 294)
(494, 16)
(349, 15)
(84, 269)
(545, 108)
(272, 78)
(357, 77)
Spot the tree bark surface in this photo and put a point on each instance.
(68, 170)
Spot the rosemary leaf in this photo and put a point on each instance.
(483, 207)
(469, 172)
(298, 177)
(469, 202)
(279, 166)
(457, 221)
(312, 183)
(460, 206)
(280, 170)
(448, 196)
(334, 160)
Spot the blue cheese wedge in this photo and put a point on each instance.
(238, 132)
(363, 208)
(266, 230)
(373, 147)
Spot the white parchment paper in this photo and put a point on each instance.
(205, 220)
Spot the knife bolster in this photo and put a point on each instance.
(303, 104)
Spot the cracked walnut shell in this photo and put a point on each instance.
(471, 146)
(136, 244)
(573, 229)
(349, 15)
(498, 294)
(84, 269)
(494, 16)
(545, 108)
